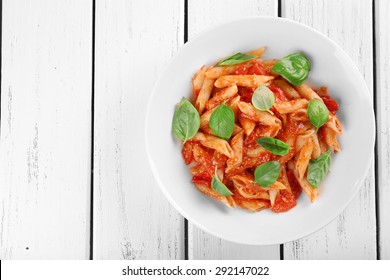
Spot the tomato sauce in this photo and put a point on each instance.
(331, 104)
(285, 200)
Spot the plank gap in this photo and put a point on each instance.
(185, 41)
(377, 214)
(92, 130)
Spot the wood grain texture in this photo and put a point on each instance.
(382, 28)
(201, 15)
(45, 129)
(132, 218)
(353, 234)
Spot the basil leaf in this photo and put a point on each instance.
(274, 146)
(236, 59)
(318, 113)
(186, 120)
(267, 173)
(220, 187)
(318, 169)
(294, 68)
(263, 98)
(222, 121)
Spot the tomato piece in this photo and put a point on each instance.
(242, 70)
(202, 178)
(331, 104)
(187, 152)
(284, 201)
(257, 69)
(294, 184)
(245, 93)
(278, 92)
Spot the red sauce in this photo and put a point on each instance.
(246, 94)
(202, 178)
(285, 200)
(187, 152)
(331, 104)
(278, 92)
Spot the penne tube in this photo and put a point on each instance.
(247, 188)
(272, 196)
(307, 92)
(242, 80)
(205, 117)
(247, 125)
(288, 89)
(291, 106)
(221, 96)
(283, 178)
(207, 190)
(197, 81)
(255, 152)
(300, 116)
(303, 138)
(334, 124)
(258, 52)
(305, 185)
(330, 138)
(218, 71)
(215, 143)
(258, 116)
(268, 64)
(302, 159)
(237, 145)
(316, 147)
(204, 94)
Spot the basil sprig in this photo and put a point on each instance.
(237, 58)
(263, 98)
(219, 187)
(294, 68)
(186, 120)
(222, 121)
(274, 145)
(318, 113)
(318, 169)
(267, 173)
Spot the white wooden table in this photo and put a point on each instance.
(75, 80)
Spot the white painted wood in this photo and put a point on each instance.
(45, 129)
(382, 28)
(201, 15)
(132, 218)
(353, 234)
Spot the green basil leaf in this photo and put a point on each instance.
(294, 68)
(186, 120)
(267, 173)
(222, 122)
(274, 145)
(318, 169)
(318, 113)
(237, 58)
(220, 187)
(263, 98)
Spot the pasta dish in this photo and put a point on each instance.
(255, 135)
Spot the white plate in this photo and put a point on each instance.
(331, 67)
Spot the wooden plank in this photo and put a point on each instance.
(132, 218)
(353, 234)
(201, 15)
(45, 129)
(382, 28)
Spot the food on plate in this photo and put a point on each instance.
(255, 135)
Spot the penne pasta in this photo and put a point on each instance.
(291, 106)
(258, 52)
(311, 192)
(221, 96)
(330, 138)
(307, 92)
(288, 89)
(204, 94)
(247, 124)
(334, 124)
(237, 145)
(258, 116)
(252, 81)
(197, 81)
(303, 157)
(218, 71)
